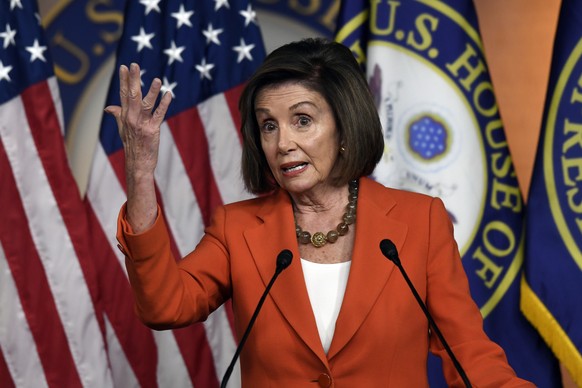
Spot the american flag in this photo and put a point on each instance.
(51, 331)
(203, 51)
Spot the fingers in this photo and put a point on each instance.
(115, 111)
(150, 99)
(134, 112)
(160, 112)
(124, 89)
(134, 94)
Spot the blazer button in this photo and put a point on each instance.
(324, 380)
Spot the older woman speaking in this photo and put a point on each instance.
(341, 315)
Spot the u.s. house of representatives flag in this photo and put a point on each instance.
(553, 269)
(444, 137)
(50, 323)
(203, 51)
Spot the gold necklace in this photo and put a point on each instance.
(319, 239)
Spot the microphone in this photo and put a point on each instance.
(283, 261)
(389, 250)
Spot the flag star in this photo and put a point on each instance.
(150, 5)
(244, 51)
(168, 87)
(204, 69)
(174, 53)
(8, 36)
(4, 70)
(250, 15)
(15, 3)
(220, 3)
(183, 16)
(143, 39)
(36, 51)
(212, 35)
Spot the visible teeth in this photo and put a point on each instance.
(294, 168)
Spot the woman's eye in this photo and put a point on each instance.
(268, 127)
(304, 120)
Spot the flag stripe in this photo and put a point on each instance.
(224, 148)
(16, 234)
(177, 194)
(4, 372)
(118, 306)
(232, 97)
(46, 133)
(192, 144)
(25, 367)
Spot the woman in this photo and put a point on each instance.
(341, 315)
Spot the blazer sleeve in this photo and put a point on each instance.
(457, 315)
(172, 293)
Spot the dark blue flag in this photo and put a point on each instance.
(444, 136)
(553, 268)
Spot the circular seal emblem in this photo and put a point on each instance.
(561, 154)
(442, 130)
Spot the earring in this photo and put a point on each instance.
(342, 149)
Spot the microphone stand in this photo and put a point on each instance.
(389, 250)
(283, 260)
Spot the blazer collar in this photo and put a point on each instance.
(369, 272)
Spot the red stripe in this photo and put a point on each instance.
(190, 139)
(5, 377)
(33, 287)
(46, 132)
(197, 355)
(135, 338)
(232, 96)
(117, 161)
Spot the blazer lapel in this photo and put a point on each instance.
(289, 293)
(370, 270)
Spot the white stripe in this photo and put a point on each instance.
(180, 205)
(224, 147)
(106, 196)
(57, 102)
(55, 248)
(16, 341)
(222, 343)
(172, 370)
(122, 373)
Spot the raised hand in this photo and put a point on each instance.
(139, 128)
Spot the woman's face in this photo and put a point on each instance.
(298, 136)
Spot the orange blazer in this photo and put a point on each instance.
(381, 339)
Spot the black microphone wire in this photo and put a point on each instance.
(283, 261)
(390, 252)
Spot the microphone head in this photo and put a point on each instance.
(389, 250)
(284, 259)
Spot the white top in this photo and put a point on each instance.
(326, 286)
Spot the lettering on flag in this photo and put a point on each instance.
(444, 137)
(443, 132)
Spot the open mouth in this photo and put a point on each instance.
(295, 167)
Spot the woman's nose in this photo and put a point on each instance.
(286, 140)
